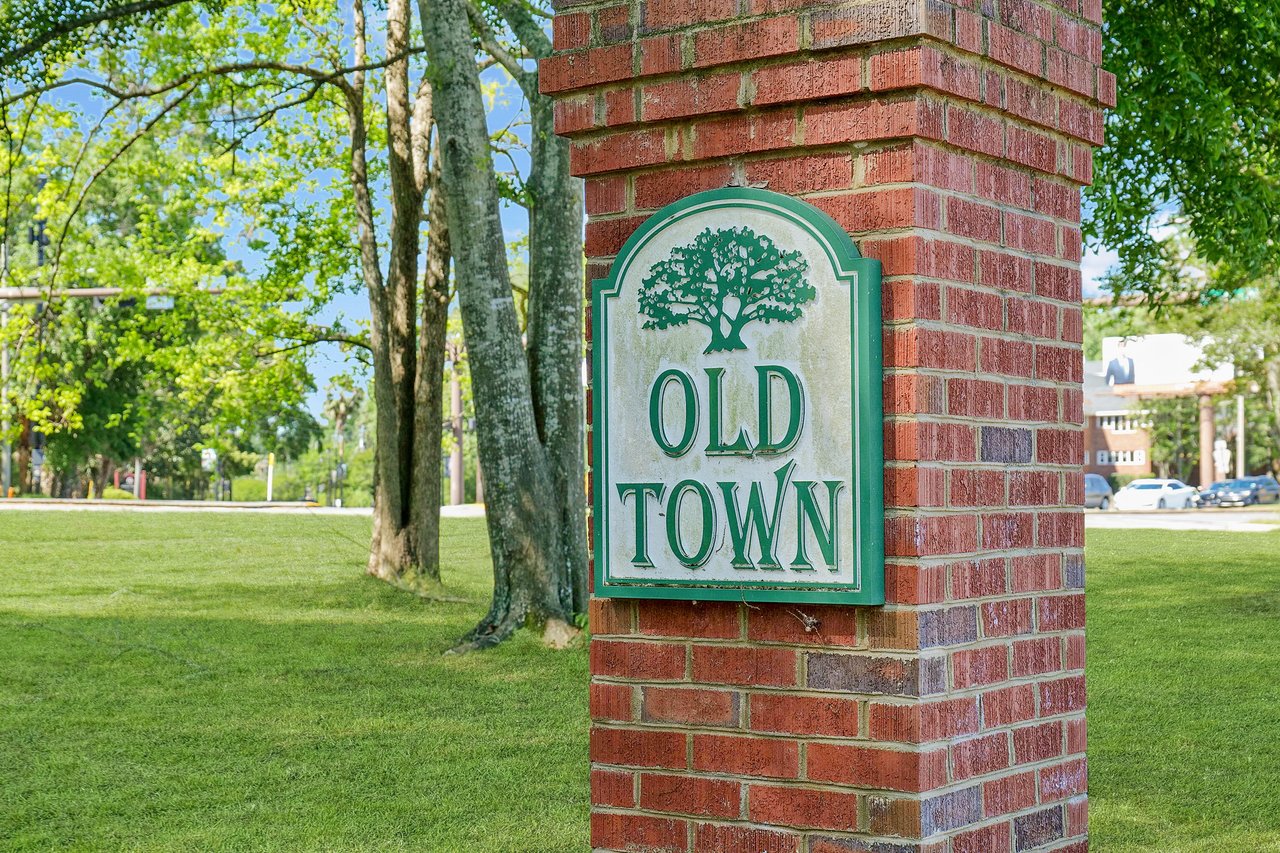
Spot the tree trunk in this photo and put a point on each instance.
(407, 357)
(556, 304)
(428, 418)
(522, 502)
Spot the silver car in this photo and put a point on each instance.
(1097, 491)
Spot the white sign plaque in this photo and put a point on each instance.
(737, 419)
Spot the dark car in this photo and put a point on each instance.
(1268, 489)
(1211, 495)
(1242, 491)
(1097, 491)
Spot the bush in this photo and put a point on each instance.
(111, 493)
(249, 489)
(1119, 481)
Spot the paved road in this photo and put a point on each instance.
(1254, 520)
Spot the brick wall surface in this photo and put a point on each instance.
(951, 140)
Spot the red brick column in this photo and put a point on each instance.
(950, 139)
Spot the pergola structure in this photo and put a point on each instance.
(1204, 392)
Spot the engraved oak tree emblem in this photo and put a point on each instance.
(726, 279)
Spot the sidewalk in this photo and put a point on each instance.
(276, 508)
(1253, 520)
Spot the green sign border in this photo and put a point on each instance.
(868, 417)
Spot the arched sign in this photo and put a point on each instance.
(737, 421)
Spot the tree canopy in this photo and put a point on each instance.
(1194, 139)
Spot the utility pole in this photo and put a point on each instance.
(457, 491)
(6, 461)
(1240, 460)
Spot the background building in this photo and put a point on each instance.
(1116, 440)
(1118, 394)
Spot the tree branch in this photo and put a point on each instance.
(335, 77)
(489, 41)
(84, 192)
(261, 119)
(519, 17)
(70, 25)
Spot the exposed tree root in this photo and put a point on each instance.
(560, 635)
(477, 642)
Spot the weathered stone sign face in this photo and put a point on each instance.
(737, 422)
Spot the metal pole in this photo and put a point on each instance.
(457, 494)
(1206, 440)
(6, 460)
(1240, 460)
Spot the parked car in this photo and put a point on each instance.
(1242, 491)
(1155, 494)
(1097, 491)
(1212, 494)
(1268, 489)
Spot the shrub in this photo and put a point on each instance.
(249, 489)
(1119, 481)
(111, 493)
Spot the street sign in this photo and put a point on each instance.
(737, 417)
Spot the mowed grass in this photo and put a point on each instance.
(233, 682)
(1184, 691)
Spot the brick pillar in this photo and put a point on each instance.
(951, 140)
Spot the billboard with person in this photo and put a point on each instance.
(1159, 365)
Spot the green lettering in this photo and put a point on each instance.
(665, 378)
(764, 531)
(641, 492)
(826, 533)
(741, 445)
(795, 418)
(674, 540)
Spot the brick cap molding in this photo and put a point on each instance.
(597, 47)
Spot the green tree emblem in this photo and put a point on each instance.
(726, 279)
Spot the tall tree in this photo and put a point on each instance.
(528, 403)
(1244, 331)
(111, 378)
(527, 391)
(243, 71)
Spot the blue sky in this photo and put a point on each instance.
(507, 105)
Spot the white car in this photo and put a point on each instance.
(1155, 494)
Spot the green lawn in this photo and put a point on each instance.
(228, 682)
(1184, 691)
(231, 682)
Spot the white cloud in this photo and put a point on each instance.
(1093, 266)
